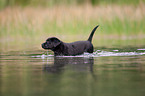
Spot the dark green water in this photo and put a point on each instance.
(111, 72)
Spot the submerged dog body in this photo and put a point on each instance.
(74, 48)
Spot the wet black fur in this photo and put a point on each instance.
(74, 48)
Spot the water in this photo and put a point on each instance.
(106, 72)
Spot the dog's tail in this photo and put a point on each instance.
(92, 33)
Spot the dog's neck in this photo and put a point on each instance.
(59, 49)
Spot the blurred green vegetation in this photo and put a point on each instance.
(47, 3)
(23, 21)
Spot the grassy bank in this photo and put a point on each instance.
(71, 23)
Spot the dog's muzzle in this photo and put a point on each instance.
(43, 46)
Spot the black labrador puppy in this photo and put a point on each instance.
(74, 48)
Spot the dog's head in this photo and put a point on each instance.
(51, 43)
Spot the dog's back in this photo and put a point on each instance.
(79, 47)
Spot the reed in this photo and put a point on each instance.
(19, 24)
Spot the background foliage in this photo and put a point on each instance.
(5, 3)
(23, 21)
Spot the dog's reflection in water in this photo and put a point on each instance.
(70, 63)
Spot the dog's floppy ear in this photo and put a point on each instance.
(56, 42)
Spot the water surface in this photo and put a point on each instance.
(106, 72)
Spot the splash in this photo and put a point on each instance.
(98, 53)
(141, 49)
(106, 53)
